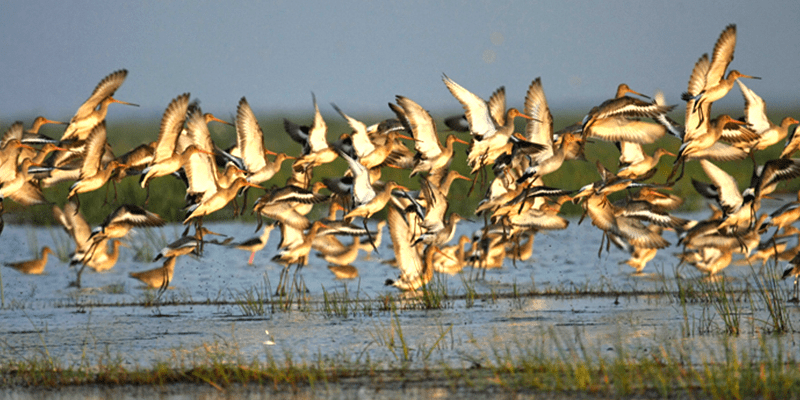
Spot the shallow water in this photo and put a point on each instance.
(106, 319)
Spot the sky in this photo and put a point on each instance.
(360, 54)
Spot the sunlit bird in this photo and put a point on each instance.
(32, 267)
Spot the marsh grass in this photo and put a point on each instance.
(343, 304)
(146, 243)
(255, 300)
(33, 242)
(725, 302)
(62, 244)
(260, 299)
(549, 361)
(773, 299)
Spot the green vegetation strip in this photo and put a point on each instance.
(661, 374)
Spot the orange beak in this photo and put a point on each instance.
(113, 100)
(211, 117)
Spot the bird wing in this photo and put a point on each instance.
(105, 88)
(630, 153)
(638, 235)
(722, 56)
(719, 152)
(476, 110)
(133, 216)
(697, 83)
(540, 128)
(318, 133)
(14, 132)
(423, 128)
(730, 198)
(621, 129)
(408, 260)
(201, 170)
(78, 227)
(93, 152)
(360, 138)
(362, 187)
(171, 127)
(250, 138)
(497, 106)
(28, 195)
(755, 110)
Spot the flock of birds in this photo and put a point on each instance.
(515, 207)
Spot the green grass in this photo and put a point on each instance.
(545, 362)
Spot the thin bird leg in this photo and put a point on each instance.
(236, 211)
(77, 282)
(116, 196)
(796, 291)
(474, 180)
(199, 228)
(307, 173)
(600, 250)
(77, 204)
(294, 278)
(164, 285)
(515, 256)
(522, 203)
(683, 169)
(147, 196)
(279, 291)
(675, 165)
(369, 236)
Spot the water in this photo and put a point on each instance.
(106, 319)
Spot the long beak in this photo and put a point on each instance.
(526, 116)
(113, 100)
(211, 117)
(461, 141)
(436, 249)
(459, 176)
(209, 232)
(638, 94)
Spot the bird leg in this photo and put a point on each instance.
(680, 160)
(795, 293)
(474, 180)
(244, 202)
(147, 196)
(600, 250)
(77, 282)
(281, 281)
(369, 236)
(164, 285)
(77, 203)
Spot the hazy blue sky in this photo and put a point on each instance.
(360, 54)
